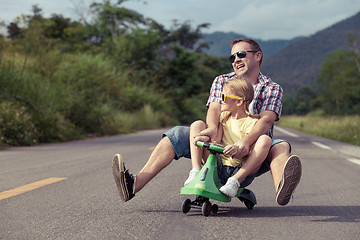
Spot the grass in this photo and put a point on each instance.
(340, 128)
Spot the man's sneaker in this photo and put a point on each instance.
(192, 176)
(231, 187)
(123, 179)
(290, 180)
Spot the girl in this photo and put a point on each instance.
(234, 124)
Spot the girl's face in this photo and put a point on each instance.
(230, 104)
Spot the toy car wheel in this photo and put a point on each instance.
(186, 206)
(206, 208)
(250, 205)
(215, 209)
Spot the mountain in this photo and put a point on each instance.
(299, 63)
(296, 62)
(220, 44)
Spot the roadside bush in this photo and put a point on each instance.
(145, 118)
(53, 127)
(194, 108)
(16, 125)
(133, 98)
(41, 102)
(102, 99)
(10, 80)
(91, 83)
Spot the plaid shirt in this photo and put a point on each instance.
(267, 95)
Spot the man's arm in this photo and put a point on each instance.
(262, 126)
(219, 134)
(212, 120)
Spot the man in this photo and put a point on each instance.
(246, 57)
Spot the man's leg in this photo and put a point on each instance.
(161, 157)
(278, 155)
(173, 145)
(286, 171)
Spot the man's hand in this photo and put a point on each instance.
(230, 150)
(200, 138)
(242, 150)
(209, 132)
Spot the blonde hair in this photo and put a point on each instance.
(241, 87)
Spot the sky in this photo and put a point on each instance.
(259, 19)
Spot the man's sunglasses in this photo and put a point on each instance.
(240, 54)
(224, 96)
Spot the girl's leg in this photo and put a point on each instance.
(196, 152)
(250, 166)
(257, 156)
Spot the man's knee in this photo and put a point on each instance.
(282, 148)
(165, 143)
(165, 148)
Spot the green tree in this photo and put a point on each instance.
(112, 20)
(103, 76)
(303, 98)
(339, 82)
(354, 41)
(14, 31)
(55, 26)
(138, 51)
(289, 105)
(184, 35)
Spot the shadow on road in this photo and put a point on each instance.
(349, 214)
(331, 213)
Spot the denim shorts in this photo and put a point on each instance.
(179, 137)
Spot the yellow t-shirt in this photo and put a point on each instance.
(233, 131)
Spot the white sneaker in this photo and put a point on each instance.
(192, 176)
(231, 187)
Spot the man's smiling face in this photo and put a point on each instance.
(245, 66)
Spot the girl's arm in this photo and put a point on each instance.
(267, 119)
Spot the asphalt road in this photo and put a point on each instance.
(84, 203)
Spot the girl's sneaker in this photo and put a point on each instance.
(231, 187)
(192, 176)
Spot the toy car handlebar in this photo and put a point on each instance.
(211, 146)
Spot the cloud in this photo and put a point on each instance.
(268, 19)
(287, 19)
(257, 18)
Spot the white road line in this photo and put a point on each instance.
(320, 145)
(286, 132)
(354, 160)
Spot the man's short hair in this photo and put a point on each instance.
(254, 45)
